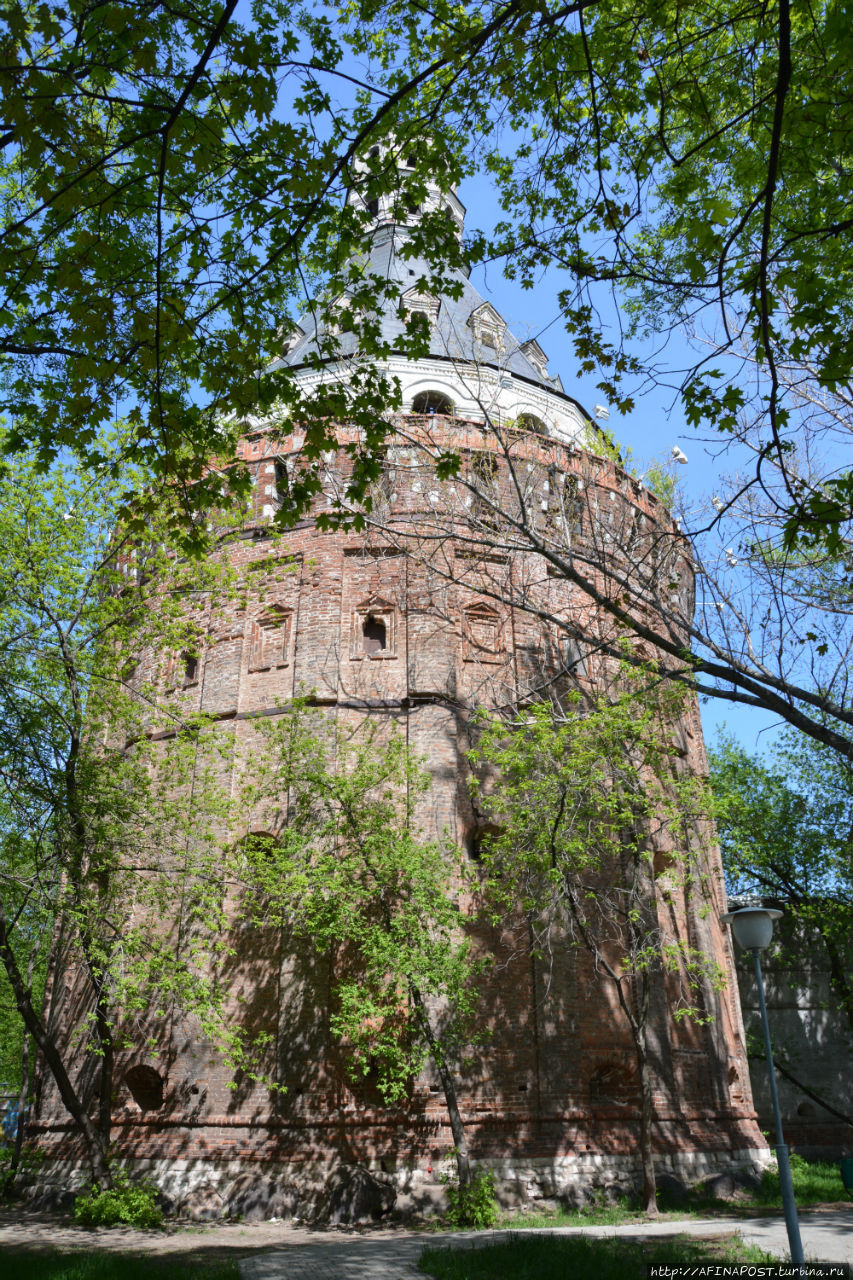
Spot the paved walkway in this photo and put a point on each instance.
(827, 1237)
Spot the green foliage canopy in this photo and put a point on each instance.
(786, 832)
(172, 188)
(690, 157)
(110, 807)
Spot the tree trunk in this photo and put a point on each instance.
(457, 1128)
(105, 1090)
(24, 1095)
(95, 1146)
(647, 1161)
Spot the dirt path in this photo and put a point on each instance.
(36, 1232)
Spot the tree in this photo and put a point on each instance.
(786, 832)
(692, 161)
(630, 164)
(16, 1043)
(189, 172)
(346, 870)
(585, 807)
(110, 811)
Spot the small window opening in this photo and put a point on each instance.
(146, 1087)
(522, 1088)
(282, 480)
(411, 161)
(373, 207)
(432, 402)
(375, 634)
(478, 839)
(485, 467)
(610, 1084)
(190, 662)
(413, 208)
(373, 153)
(259, 847)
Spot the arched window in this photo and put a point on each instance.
(432, 402)
(375, 634)
(258, 847)
(373, 630)
(145, 1086)
(282, 479)
(530, 422)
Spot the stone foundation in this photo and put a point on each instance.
(207, 1189)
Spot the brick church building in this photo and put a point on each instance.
(421, 617)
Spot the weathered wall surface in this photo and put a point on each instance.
(554, 1092)
(812, 1042)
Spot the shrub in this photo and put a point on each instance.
(125, 1203)
(474, 1205)
(815, 1181)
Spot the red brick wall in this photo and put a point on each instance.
(556, 1077)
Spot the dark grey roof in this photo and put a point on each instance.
(452, 336)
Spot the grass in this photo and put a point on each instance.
(593, 1215)
(815, 1182)
(29, 1265)
(581, 1258)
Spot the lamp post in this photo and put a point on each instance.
(753, 930)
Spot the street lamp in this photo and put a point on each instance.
(753, 930)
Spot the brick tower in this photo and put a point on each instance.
(421, 617)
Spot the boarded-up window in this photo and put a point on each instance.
(270, 640)
(482, 634)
